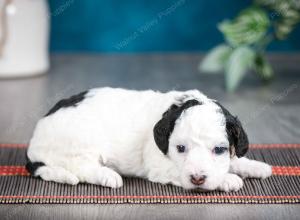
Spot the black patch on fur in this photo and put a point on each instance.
(69, 102)
(163, 128)
(237, 137)
(31, 167)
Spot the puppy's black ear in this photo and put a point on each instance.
(164, 127)
(236, 135)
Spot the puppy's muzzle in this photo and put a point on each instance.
(198, 180)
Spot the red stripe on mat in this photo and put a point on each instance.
(252, 146)
(13, 171)
(150, 197)
(259, 146)
(6, 145)
(276, 170)
(285, 171)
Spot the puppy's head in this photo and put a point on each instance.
(200, 138)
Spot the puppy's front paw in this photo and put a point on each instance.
(255, 169)
(250, 168)
(231, 182)
(259, 170)
(110, 178)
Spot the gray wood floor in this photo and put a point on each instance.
(270, 114)
(150, 212)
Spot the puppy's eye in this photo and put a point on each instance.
(220, 150)
(180, 148)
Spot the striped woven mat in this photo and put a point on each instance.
(16, 186)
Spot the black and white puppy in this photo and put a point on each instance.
(181, 138)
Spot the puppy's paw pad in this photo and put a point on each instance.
(110, 178)
(231, 182)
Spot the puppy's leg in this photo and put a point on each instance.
(250, 168)
(230, 182)
(100, 175)
(56, 174)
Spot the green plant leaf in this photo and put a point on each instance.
(215, 61)
(263, 67)
(285, 15)
(247, 28)
(241, 60)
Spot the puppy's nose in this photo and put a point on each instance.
(198, 180)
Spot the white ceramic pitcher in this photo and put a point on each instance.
(24, 34)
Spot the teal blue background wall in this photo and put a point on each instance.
(145, 25)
